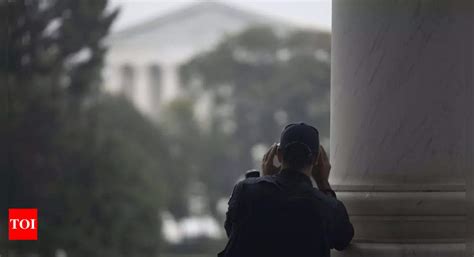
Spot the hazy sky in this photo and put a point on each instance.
(311, 13)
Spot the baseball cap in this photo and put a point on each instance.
(300, 133)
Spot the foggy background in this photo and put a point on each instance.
(127, 123)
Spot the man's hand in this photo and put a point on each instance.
(267, 163)
(321, 170)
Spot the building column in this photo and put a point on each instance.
(155, 79)
(402, 124)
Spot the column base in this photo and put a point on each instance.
(402, 250)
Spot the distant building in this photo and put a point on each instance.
(143, 61)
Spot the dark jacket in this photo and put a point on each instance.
(284, 216)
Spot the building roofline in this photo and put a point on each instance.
(186, 11)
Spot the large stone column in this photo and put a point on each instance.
(402, 124)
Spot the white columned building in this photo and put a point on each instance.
(402, 129)
(143, 61)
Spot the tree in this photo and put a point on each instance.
(88, 162)
(260, 80)
(196, 157)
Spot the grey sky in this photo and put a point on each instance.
(309, 13)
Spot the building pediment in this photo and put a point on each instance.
(198, 24)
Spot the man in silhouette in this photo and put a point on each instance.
(281, 214)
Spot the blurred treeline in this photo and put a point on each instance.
(90, 163)
(100, 172)
(257, 82)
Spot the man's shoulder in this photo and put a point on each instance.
(262, 179)
(327, 200)
(256, 183)
(253, 187)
